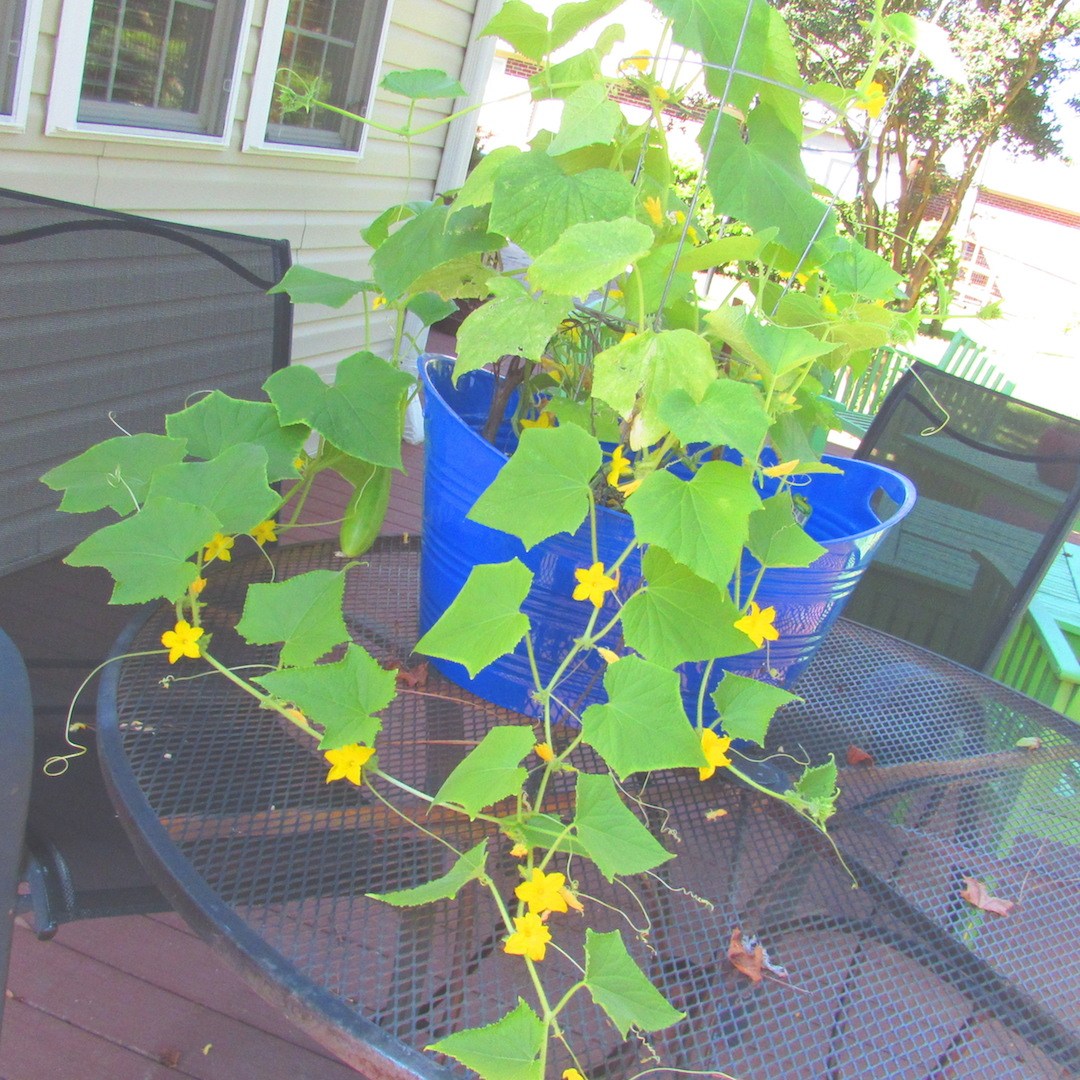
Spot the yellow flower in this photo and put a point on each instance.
(715, 748)
(757, 624)
(593, 583)
(829, 304)
(629, 488)
(872, 100)
(347, 761)
(620, 467)
(264, 532)
(615, 294)
(298, 463)
(519, 851)
(655, 209)
(543, 892)
(571, 900)
(530, 938)
(638, 60)
(629, 335)
(570, 329)
(219, 548)
(378, 302)
(609, 656)
(680, 218)
(544, 420)
(661, 93)
(544, 752)
(182, 640)
(572, 1074)
(197, 586)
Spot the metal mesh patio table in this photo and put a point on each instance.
(945, 776)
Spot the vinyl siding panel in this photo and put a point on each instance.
(318, 204)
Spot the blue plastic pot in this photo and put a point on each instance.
(460, 465)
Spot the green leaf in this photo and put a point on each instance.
(614, 837)
(522, 28)
(589, 117)
(307, 286)
(776, 538)
(816, 789)
(304, 612)
(702, 522)
(680, 617)
(342, 697)
(471, 866)
(854, 269)
(592, 416)
(147, 554)
(422, 83)
(534, 202)
(489, 773)
(217, 421)
(747, 706)
(653, 274)
(650, 365)
(232, 486)
(621, 988)
(114, 473)
(774, 350)
(544, 488)
(509, 1049)
(485, 621)
(643, 725)
(568, 20)
(589, 255)
(426, 242)
(729, 414)
(361, 413)
(429, 307)
(725, 250)
(375, 234)
(511, 325)
(762, 181)
(929, 39)
(479, 186)
(549, 833)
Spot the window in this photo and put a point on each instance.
(18, 33)
(147, 65)
(331, 45)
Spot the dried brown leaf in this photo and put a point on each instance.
(749, 961)
(977, 894)
(857, 756)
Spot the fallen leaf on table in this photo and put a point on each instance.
(976, 893)
(1033, 742)
(858, 756)
(715, 815)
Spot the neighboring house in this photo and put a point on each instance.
(167, 108)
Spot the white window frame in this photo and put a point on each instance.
(262, 90)
(24, 72)
(70, 62)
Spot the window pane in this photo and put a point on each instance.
(146, 59)
(11, 30)
(328, 45)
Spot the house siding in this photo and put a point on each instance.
(318, 204)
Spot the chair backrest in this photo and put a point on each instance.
(107, 322)
(999, 489)
(16, 751)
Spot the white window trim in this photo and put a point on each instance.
(70, 61)
(24, 76)
(262, 90)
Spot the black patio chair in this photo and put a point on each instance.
(107, 322)
(16, 751)
(999, 490)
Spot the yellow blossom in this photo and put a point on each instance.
(298, 463)
(638, 60)
(544, 420)
(570, 329)
(620, 467)
(593, 583)
(715, 748)
(572, 1074)
(378, 302)
(519, 851)
(220, 547)
(347, 761)
(655, 209)
(530, 937)
(197, 586)
(543, 892)
(609, 656)
(264, 532)
(629, 335)
(757, 624)
(544, 752)
(661, 93)
(182, 640)
(615, 294)
(872, 100)
(828, 304)
(571, 900)
(629, 487)
(680, 218)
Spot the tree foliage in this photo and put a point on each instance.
(931, 137)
